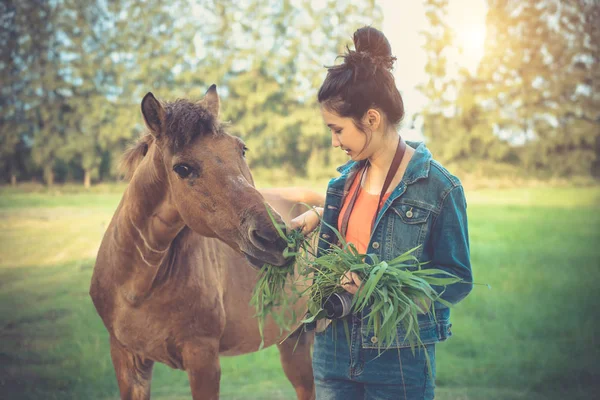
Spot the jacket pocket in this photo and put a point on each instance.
(430, 331)
(408, 229)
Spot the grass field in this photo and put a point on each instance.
(532, 336)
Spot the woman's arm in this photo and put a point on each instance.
(450, 245)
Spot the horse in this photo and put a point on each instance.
(178, 263)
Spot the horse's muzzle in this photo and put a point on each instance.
(265, 247)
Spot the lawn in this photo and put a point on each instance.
(532, 336)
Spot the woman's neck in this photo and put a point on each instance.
(381, 159)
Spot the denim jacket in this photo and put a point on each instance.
(426, 209)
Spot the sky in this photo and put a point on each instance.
(403, 19)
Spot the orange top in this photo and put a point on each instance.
(359, 224)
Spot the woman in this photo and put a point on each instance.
(392, 196)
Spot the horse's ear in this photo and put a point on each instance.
(211, 100)
(154, 114)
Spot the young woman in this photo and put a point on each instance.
(392, 196)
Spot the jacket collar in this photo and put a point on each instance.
(417, 168)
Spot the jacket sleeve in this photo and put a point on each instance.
(450, 246)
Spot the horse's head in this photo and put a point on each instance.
(208, 180)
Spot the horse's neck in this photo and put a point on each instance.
(146, 226)
(150, 231)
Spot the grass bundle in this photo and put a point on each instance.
(269, 293)
(391, 293)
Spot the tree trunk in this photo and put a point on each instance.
(13, 180)
(87, 179)
(49, 176)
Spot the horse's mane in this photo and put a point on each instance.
(134, 155)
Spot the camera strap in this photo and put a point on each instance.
(398, 156)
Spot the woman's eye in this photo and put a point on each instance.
(338, 132)
(182, 170)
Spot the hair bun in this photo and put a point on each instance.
(370, 40)
(372, 47)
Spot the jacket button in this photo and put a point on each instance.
(409, 213)
(375, 245)
(325, 236)
(374, 339)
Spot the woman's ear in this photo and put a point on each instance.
(373, 119)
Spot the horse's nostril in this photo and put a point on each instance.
(266, 240)
(261, 238)
(260, 235)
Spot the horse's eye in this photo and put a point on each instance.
(182, 170)
(244, 150)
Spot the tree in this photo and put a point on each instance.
(11, 111)
(437, 114)
(274, 74)
(32, 89)
(541, 65)
(73, 74)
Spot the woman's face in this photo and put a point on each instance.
(345, 135)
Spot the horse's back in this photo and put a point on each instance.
(289, 201)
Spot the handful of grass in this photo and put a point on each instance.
(269, 293)
(390, 293)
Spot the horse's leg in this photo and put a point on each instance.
(297, 363)
(201, 361)
(134, 373)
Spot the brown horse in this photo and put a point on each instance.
(178, 263)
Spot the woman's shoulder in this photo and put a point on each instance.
(438, 182)
(424, 165)
(440, 175)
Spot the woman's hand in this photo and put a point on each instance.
(351, 282)
(307, 221)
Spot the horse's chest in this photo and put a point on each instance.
(159, 327)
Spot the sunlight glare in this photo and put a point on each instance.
(471, 38)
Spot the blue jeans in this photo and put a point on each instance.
(347, 371)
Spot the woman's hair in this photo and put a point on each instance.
(364, 80)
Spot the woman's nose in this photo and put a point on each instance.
(334, 140)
